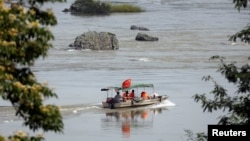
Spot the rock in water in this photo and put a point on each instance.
(145, 37)
(96, 41)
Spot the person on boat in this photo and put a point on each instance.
(125, 95)
(118, 98)
(144, 95)
(155, 95)
(132, 94)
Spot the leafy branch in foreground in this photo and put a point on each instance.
(237, 105)
(24, 37)
(195, 137)
(243, 35)
(240, 3)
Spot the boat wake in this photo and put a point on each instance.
(165, 103)
(7, 114)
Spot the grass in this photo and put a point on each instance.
(115, 8)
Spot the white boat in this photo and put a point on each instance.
(139, 98)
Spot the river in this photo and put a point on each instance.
(189, 31)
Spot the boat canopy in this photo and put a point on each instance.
(139, 85)
(111, 88)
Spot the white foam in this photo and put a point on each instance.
(79, 109)
(144, 59)
(7, 121)
(165, 103)
(169, 103)
(71, 50)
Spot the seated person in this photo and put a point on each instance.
(144, 95)
(118, 98)
(110, 100)
(132, 94)
(125, 95)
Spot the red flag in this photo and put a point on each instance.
(126, 83)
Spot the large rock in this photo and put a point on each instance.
(96, 41)
(145, 37)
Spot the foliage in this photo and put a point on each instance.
(240, 3)
(24, 37)
(195, 137)
(22, 136)
(243, 35)
(125, 8)
(237, 106)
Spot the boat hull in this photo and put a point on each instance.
(136, 102)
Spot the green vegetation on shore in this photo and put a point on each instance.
(102, 8)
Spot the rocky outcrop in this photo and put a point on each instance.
(145, 37)
(96, 41)
(134, 27)
(89, 7)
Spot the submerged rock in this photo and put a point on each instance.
(145, 37)
(96, 41)
(134, 27)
